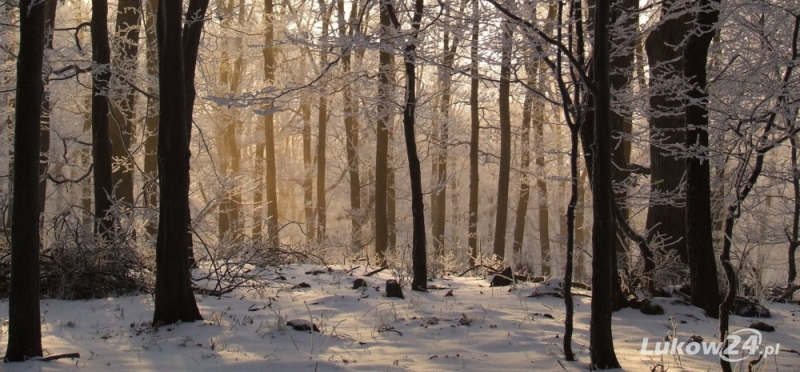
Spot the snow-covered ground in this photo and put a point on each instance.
(478, 328)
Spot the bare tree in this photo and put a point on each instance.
(177, 57)
(101, 144)
(44, 139)
(418, 250)
(503, 177)
(120, 121)
(386, 60)
(24, 322)
(700, 244)
(666, 220)
(474, 179)
(603, 232)
(269, 129)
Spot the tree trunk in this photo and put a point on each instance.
(269, 130)
(441, 134)
(120, 122)
(101, 145)
(666, 219)
(174, 299)
(474, 179)
(531, 69)
(44, 138)
(351, 130)
(150, 176)
(322, 134)
(24, 322)
(418, 250)
(541, 184)
(391, 202)
(621, 122)
(308, 175)
(229, 153)
(382, 139)
(505, 145)
(580, 230)
(793, 239)
(603, 232)
(700, 244)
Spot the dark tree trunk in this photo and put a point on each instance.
(418, 251)
(666, 220)
(474, 180)
(322, 135)
(603, 232)
(101, 145)
(321, 142)
(524, 144)
(44, 138)
(193, 29)
(351, 131)
(580, 230)
(121, 127)
(793, 239)
(503, 176)
(391, 202)
(308, 177)
(621, 122)
(174, 300)
(541, 184)
(700, 244)
(150, 176)
(382, 139)
(24, 323)
(568, 272)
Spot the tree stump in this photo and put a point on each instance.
(393, 289)
(503, 279)
(359, 283)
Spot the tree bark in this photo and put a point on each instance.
(44, 138)
(666, 219)
(503, 177)
(474, 177)
(441, 138)
(101, 145)
(603, 231)
(528, 110)
(150, 176)
(120, 121)
(24, 322)
(700, 244)
(308, 175)
(793, 239)
(418, 251)
(382, 138)
(174, 299)
(269, 129)
(322, 134)
(351, 129)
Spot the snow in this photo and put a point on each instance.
(479, 328)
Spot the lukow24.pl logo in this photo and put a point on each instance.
(738, 346)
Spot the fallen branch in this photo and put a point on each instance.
(373, 272)
(476, 267)
(60, 356)
(788, 293)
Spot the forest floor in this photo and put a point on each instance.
(478, 328)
